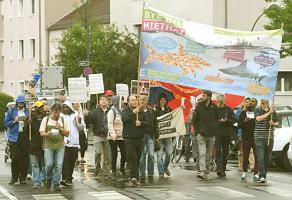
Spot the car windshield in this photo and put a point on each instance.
(286, 121)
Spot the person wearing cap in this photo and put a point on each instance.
(205, 122)
(36, 153)
(266, 119)
(16, 122)
(109, 94)
(75, 124)
(165, 143)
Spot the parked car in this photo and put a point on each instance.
(290, 152)
(282, 138)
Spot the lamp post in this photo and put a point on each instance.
(264, 12)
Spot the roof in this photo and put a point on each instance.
(99, 9)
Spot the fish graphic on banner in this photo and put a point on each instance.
(177, 51)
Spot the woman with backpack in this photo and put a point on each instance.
(115, 132)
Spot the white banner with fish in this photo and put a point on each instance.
(186, 53)
(171, 124)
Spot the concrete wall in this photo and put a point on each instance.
(129, 12)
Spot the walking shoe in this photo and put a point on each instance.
(262, 180)
(202, 176)
(167, 172)
(37, 186)
(83, 162)
(28, 177)
(12, 182)
(243, 176)
(70, 182)
(64, 183)
(150, 179)
(161, 176)
(134, 181)
(142, 179)
(256, 177)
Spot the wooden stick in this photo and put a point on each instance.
(270, 128)
(29, 118)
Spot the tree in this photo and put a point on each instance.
(112, 53)
(281, 13)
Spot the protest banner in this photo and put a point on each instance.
(144, 87)
(96, 85)
(171, 124)
(177, 51)
(122, 90)
(77, 90)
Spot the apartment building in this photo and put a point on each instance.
(24, 36)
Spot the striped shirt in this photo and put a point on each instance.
(262, 127)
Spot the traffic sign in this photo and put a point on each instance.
(87, 71)
(83, 63)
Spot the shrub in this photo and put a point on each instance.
(4, 99)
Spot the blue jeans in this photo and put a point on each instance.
(166, 146)
(38, 168)
(148, 149)
(53, 165)
(264, 155)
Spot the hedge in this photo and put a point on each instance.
(4, 99)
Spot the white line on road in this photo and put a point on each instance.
(109, 195)
(273, 190)
(6, 193)
(223, 192)
(49, 196)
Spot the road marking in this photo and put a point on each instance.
(109, 195)
(49, 196)
(6, 193)
(223, 192)
(273, 190)
(153, 193)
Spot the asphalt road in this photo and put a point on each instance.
(182, 184)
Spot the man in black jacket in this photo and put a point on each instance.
(223, 134)
(101, 144)
(205, 122)
(134, 128)
(36, 152)
(150, 135)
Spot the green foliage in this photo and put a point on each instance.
(280, 12)
(113, 53)
(4, 99)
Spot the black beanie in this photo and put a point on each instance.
(207, 92)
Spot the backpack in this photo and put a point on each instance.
(104, 127)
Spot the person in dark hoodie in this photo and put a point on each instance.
(247, 124)
(205, 122)
(36, 152)
(16, 122)
(115, 134)
(150, 136)
(165, 143)
(134, 125)
(223, 134)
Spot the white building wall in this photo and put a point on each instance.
(54, 39)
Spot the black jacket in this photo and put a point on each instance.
(36, 143)
(246, 126)
(205, 119)
(160, 112)
(130, 131)
(225, 128)
(152, 125)
(96, 119)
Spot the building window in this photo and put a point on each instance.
(284, 81)
(11, 50)
(32, 7)
(20, 8)
(21, 49)
(10, 8)
(32, 48)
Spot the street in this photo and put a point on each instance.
(182, 184)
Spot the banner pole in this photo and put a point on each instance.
(138, 83)
(270, 128)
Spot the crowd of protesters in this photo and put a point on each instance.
(130, 125)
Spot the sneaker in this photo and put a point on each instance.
(64, 183)
(262, 180)
(37, 186)
(70, 182)
(28, 177)
(167, 172)
(243, 176)
(256, 177)
(12, 182)
(134, 181)
(83, 162)
(202, 176)
(161, 176)
(150, 179)
(142, 179)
